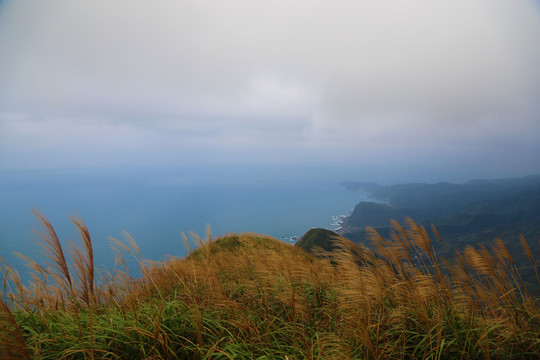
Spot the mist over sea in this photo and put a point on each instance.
(156, 205)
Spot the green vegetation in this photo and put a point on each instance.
(249, 296)
(317, 239)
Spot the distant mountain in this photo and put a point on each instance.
(377, 215)
(446, 198)
(472, 213)
(521, 208)
(478, 201)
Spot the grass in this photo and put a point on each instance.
(249, 296)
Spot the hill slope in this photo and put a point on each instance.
(248, 296)
(318, 239)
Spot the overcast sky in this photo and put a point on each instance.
(417, 85)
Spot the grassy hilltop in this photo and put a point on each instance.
(249, 296)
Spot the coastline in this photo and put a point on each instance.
(338, 221)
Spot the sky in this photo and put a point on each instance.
(418, 86)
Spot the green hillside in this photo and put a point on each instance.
(318, 239)
(249, 296)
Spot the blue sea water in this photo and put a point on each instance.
(156, 205)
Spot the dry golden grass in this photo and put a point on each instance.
(257, 293)
(12, 342)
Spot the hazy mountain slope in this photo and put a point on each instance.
(473, 204)
(521, 208)
(470, 214)
(449, 198)
(377, 215)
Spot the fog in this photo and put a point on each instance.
(440, 90)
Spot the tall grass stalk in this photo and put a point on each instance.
(250, 296)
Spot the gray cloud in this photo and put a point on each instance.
(278, 82)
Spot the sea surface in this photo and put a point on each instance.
(156, 205)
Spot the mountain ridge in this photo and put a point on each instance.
(469, 214)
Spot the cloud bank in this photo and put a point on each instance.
(428, 84)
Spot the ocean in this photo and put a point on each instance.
(156, 205)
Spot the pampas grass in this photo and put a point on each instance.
(251, 296)
(12, 342)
